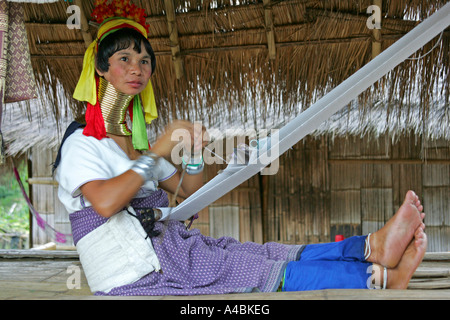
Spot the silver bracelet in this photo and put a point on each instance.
(193, 167)
(144, 166)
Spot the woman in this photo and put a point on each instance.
(110, 183)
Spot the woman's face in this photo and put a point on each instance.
(129, 71)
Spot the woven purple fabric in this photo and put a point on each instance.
(194, 264)
(83, 222)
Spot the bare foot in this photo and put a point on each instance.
(389, 243)
(399, 277)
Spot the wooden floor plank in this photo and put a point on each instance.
(46, 275)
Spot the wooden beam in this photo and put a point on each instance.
(185, 52)
(391, 161)
(36, 254)
(84, 24)
(43, 180)
(173, 38)
(268, 17)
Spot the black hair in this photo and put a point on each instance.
(121, 40)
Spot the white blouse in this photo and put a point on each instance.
(85, 159)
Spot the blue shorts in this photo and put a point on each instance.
(335, 265)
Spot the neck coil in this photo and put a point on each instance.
(114, 106)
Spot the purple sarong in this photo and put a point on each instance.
(194, 264)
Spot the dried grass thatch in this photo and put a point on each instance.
(228, 74)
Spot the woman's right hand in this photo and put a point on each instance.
(189, 134)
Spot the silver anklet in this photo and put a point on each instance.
(367, 252)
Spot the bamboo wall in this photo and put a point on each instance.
(237, 214)
(297, 209)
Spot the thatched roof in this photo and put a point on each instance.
(252, 62)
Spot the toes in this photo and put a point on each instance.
(422, 215)
(419, 206)
(421, 240)
(420, 235)
(411, 196)
(418, 232)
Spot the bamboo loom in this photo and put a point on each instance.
(310, 119)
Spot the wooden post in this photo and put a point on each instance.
(84, 24)
(376, 43)
(268, 16)
(173, 37)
